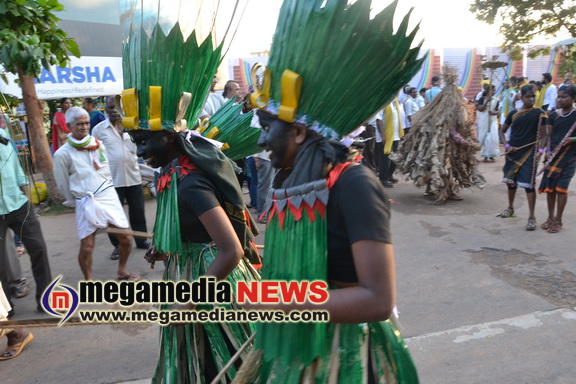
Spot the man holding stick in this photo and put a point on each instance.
(83, 176)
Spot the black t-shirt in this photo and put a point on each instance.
(196, 195)
(358, 209)
(561, 126)
(524, 126)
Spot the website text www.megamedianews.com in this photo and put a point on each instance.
(216, 315)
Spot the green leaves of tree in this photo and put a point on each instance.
(30, 37)
(521, 21)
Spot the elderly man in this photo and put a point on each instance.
(83, 175)
(125, 171)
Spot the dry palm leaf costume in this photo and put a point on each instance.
(167, 79)
(330, 68)
(440, 150)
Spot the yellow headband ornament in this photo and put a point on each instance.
(291, 90)
(130, 106)
(185, 99)
(155, 108)
(259, 99)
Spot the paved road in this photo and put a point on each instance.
(481, 300)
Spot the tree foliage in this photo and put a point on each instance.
(521, 21)
(30, 37)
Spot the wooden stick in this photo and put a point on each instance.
(230, 363)
(524, 146)
(124, 231)
(52, 322)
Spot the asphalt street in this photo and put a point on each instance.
(481, 299)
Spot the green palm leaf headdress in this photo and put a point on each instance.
(167, 74)
(332, 67)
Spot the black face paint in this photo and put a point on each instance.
(278, 137)
(153, 147)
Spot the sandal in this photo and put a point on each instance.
(508, 212)
(531, 224)
(14, 350)
(545, 225)
(20, 289)
(130, 277)
(455, 197)
(554, 227)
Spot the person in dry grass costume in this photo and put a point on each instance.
(440, 150)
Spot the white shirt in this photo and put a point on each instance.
(372, 122)
(550, 97)
(122, 157)
(421, 102)
(213, 103)
(395, 120)
(75, 173)
(411, 108)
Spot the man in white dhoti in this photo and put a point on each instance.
(83, 176)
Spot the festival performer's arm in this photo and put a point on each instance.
(457, 137)
(200, 196)
(548, 141)
(543, 134)
(230, 250)
(373, 296)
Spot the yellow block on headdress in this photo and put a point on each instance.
(203, 125)
(213, 133)
(259, 99)
(155, 108)
(183, 103)
(291, 90)
(130, 105)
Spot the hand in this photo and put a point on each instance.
(567, 141)
(152, 256)
(511, 150)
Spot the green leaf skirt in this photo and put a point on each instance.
(183, 350)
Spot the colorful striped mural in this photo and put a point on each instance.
(468, 71)
(554, 64)
(426, 70)
(245, 68)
